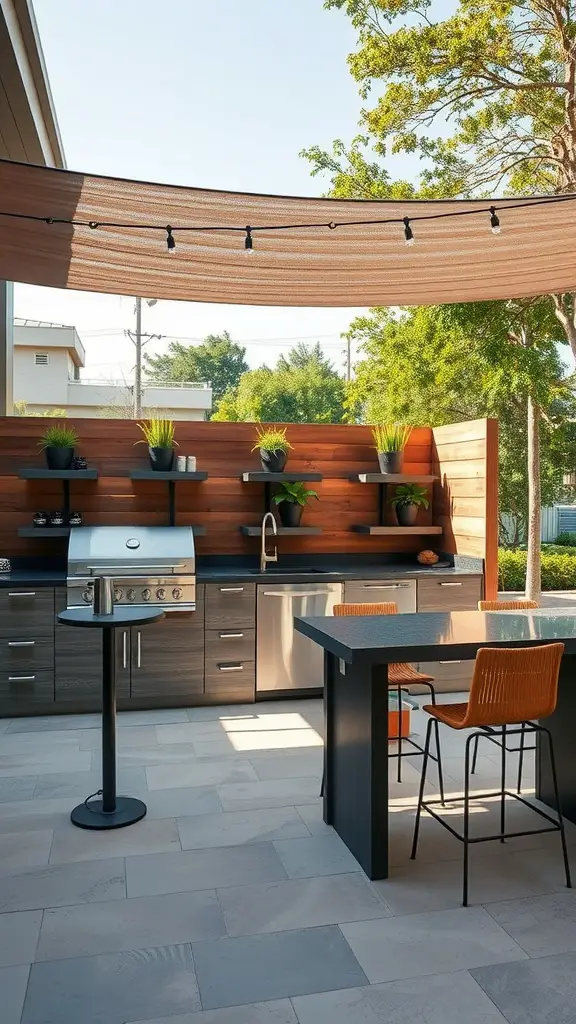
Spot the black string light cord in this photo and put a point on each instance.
(405, 222)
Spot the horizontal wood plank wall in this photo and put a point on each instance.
(465, 457)
(222, 503)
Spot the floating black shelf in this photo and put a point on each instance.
(398, 531)
(393, 478)
(171, 477)
(44, 531)
(65, 475)
(283, 531)
(262, 477)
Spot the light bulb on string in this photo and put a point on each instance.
(170, 242)
(494, 221)
(408, 233)
(248, 244)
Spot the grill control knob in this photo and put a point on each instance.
(131, 595)
(88, 596)
(118, 594)
(146, 594)
(161, 594)
(177, 593)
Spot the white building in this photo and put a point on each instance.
(48, 359)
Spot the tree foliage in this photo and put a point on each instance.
(218, 361)
(304, 387)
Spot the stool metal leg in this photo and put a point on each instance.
(421, 791)
(503, 787)
(466, 834)
(558, 807)
(475, 755)
(399, 759)
(521, 758)
(438, 754)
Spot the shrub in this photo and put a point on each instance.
(566, 539)
(558, 570)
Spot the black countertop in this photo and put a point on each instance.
(243, 574)
(434, 636)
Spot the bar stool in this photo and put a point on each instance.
(510, 687)
(400, 676)
(506, 606)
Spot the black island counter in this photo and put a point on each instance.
(358, 650)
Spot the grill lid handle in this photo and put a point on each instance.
(132, 565)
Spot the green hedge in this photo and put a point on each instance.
(558, 570)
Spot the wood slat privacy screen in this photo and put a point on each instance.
(455, 259)
(465, 454)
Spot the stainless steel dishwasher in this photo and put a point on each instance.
(287, 661)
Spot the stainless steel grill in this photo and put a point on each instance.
(154, 565)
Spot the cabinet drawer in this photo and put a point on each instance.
(230, 605)
(23, 653)
(26, 610)
(27, 687)
(401, 592)
(438, 595)
(230, 680)
(223, 645)
(449, 676)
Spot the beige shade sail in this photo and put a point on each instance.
(454, 259)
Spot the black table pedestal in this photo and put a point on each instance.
(110, 811)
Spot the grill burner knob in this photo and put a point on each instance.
(131, 595)
(161, 594)
(146, 594)
(177, 593)
(118, 594)
(87, 596)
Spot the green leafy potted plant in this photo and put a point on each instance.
(291, 500)
(273, 446)
(58, 442)
(407, 501)
(159, 436)
(390, 440)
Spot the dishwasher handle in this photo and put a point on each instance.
(298, 593)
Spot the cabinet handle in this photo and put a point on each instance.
(230, 668)
(384, 586)
(124, 648)
(456, 662)
(21, 679)
(231, 590)
(139, 650)
(21, 643)
(450, 584)
(23, 593)
(230, 636)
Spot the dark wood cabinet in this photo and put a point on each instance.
(27, 610)
(78, 666)
(230, 605)
(167, 658)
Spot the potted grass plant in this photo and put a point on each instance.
(159, 436)
(291, 500)
(407, 500)
(273, 446)
(390, 440)
(58, 443)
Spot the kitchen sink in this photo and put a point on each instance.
(280, 571)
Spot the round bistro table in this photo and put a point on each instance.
(111, 811)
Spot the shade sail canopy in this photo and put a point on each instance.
(454, 259)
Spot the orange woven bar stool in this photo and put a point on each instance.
(510, 687)
(506, 606)
(400, 676)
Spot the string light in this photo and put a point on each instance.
(248, 244)
(408, 233)
(494, 221)
(171, 244)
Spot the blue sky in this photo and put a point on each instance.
(222, 95)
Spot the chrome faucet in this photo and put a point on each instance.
(264, 558)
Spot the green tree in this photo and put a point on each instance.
(218, 361)
(502, 79)
(303, 388)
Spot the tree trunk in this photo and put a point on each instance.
(533, 575)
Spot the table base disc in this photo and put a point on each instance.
(91, 816)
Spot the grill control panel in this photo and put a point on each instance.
(166, 592)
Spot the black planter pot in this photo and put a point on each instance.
(59, 458)
(161, 459)
(407, 514)
(290, 513)
(391, 462)
(273, 462)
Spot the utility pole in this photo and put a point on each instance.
(138, 369)
(348, 354)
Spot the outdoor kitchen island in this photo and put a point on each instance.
(358, 650)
